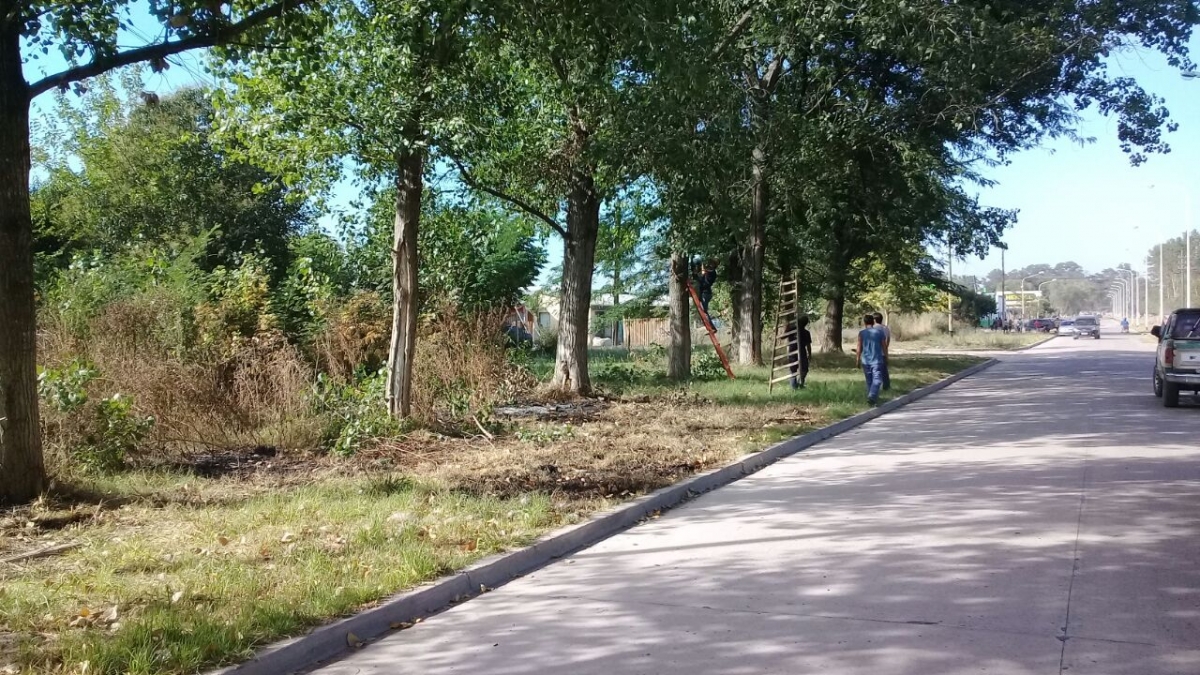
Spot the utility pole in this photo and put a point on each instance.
(1187, 256)
(950, 278)
(1003, 290)
(1146, 305)
(1162, 279)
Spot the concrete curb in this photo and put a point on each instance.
(330, 641)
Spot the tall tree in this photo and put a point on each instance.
(373, 82)
(545, 136)
(86, 34)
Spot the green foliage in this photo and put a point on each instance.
(118, 431)
(168, 275)
(707, 366)
(97, 436)
(473, 255)
(355, 411)
(120, 171)
(65, 389)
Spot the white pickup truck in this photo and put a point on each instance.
(1177, 367)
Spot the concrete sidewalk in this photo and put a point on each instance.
(1040, 518)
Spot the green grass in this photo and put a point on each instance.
(833, 379)
(203, 571)
(205, 580)
(972, 339)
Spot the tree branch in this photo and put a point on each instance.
(525, 206)
(773, 73)
(102, 64)
(733, 33)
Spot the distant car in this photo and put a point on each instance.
(1087, 326)
(1043, 325)
(1177, 364)
(1066, 327)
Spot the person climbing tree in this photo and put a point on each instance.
(704, 285)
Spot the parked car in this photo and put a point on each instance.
(518, 335)
(1066, 327)
(1043, 325)
(1087, 326)
(1177, 364)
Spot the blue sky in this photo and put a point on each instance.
(1081, 203)
(1087, 204)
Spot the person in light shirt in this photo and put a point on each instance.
(887, 336)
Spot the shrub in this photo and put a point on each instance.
(356, 412)
(354, 339)
(95, 433)
(462, 369)
(707, 366)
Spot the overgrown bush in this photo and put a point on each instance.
(355, 412)
(354, 339)
(706, 365)
(96, 433)
(462, 369)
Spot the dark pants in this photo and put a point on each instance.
(799, 365)
(705, 298)
(874, 374)
(885, 374)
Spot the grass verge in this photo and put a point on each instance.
(971, 340)
(176, 573)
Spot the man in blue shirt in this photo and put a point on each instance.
(872, 354)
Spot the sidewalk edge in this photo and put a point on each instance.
(332, 640)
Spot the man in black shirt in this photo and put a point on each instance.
(800, 350)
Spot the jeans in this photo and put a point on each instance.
(874, 374)
(802, 369)
(705, 298)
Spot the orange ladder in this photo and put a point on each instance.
(712, 332)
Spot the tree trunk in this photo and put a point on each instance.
(579, 261)
(835, 309)
(409, 184)
(22, 471)
(750, 342)
(679, 349)
(734, 274)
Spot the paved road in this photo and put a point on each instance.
(1043, 517)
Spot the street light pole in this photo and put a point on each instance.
(1187, 246)
(950, 278)
(1040, 292)
(1023, 294)
(1130, 299)
(1122, 287)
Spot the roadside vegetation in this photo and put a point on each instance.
(265, 337)
(184, 561)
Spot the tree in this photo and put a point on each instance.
(976, 81)
(120, 170)
(86, 34)
(474, 255)
(545, 135)
(375, 83)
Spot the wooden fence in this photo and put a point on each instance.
(641, 333)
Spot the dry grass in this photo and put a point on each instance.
(252, 392)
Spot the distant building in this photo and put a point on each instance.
(548, 316)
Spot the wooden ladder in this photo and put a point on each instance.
(787, 333)
(712, 332)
